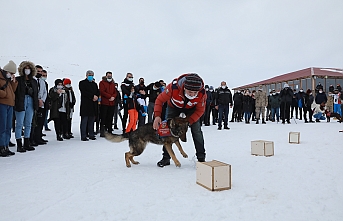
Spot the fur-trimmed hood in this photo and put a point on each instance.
(23, 65)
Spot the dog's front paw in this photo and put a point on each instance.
(177, 164)
(185, 155)
(128, 165)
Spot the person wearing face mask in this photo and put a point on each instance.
(185, 94)
(237, 107)
(320, 97)
(8, 86)
(247, 106)
(58, 110)
(36, 132)
(108, 95)
(71, 99)
(140, 85)
(261, 103)
(153, 90)
(208, 106)
(126, 86)
(47, 103)
(213, 106)
(300, 101)
(286, 96)
(223, 103)
(26, 102)
(307, 101)
(275, 101)
(88, 105)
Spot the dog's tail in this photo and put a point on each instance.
(116, 138)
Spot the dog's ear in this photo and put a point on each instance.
(183, 137)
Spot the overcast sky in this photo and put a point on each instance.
(236, 41)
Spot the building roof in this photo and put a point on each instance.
(296, 75)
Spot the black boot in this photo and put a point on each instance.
(10, 153)
(20, 148)
(59, 137)
(328, 119)
(27, 145)
(164, 162)
(263, 122)
(102, 131)
(11, 144)
(3, 152)
(257, 121)
(66, 136)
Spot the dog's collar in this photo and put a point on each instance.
(164, 130)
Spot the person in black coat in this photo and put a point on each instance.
(308, 100)
(300, 95)
(321, 97)
(237, 107)
(126, 86)
(153, 90)
(209, 100)
(223, 103)
(88, 106)
(286, 96)
(294, 105)
(247, 106)
(213, 109)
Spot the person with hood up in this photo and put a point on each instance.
(26, 103)
(8, 86)
(185, 94)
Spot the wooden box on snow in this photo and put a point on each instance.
(294, 137)
(262, 148)
(214, 175)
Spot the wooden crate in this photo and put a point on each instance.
(294, 137)
(214, 175)
(262, 148)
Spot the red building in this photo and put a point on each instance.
(306, 79)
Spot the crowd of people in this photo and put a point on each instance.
(27, 104)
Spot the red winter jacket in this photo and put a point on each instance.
(174, 95)
(107, 90)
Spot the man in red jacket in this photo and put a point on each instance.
(108, 93)
(186, 94)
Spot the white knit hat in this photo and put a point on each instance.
(285, 85)
(10, 67)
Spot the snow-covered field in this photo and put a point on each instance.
(74, 180)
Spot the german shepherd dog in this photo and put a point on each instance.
(145, 134)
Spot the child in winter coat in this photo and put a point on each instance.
(142, 106)
(132, 112)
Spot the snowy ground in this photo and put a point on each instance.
(74, 180)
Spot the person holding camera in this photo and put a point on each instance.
(58, 110)
(26, 102)
(8, 85)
